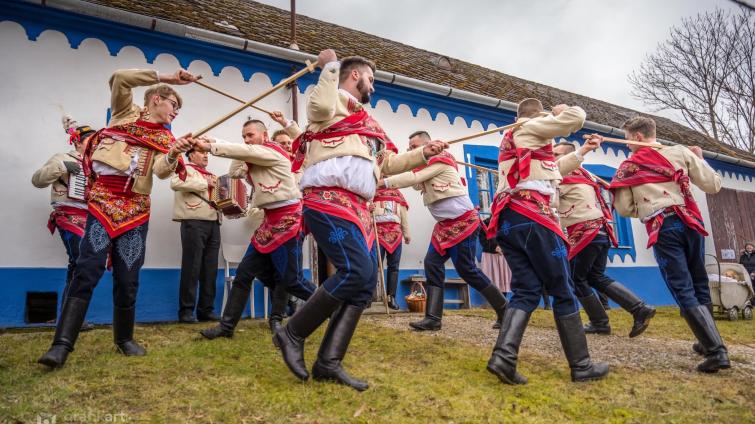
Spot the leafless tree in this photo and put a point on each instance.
(705, 72)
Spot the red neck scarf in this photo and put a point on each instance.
(360, 123)
(582, 176)
(390, 195)
(201, 169)
(522, 157)
(647, 166)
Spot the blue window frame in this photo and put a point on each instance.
(482, 187)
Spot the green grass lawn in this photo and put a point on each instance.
(414, 378)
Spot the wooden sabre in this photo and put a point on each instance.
(628, 142)
(230, 96)
(381, 277)
(480, 134)
(309, 68)
(477, 167)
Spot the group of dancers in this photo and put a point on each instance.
(549, 217)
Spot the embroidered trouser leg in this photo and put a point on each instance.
(538, 259)
(71, 242)
(200, 242)
(463, 257)
(127, 252)
(281, 266)
(680, 252)
(589, 265)
(345, 247)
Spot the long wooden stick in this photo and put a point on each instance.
(480, 134)
(381, 279)
(309, 68)
(230, 96)
(477, 167)
(630, 142)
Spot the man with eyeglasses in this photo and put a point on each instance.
(119, 162)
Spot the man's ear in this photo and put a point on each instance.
(355, 74)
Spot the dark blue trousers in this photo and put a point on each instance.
(345, 247)
(127, 252)
(281, 266)
(588, 267)
(71, 242)
(462, 255)
(394, 259)
(680, 253)
(538, 258)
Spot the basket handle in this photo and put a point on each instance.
(421, 286)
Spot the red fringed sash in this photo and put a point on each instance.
(116, 206)
(450, 232)
(390, 235)
(343, 204)
(530, 203)
(390, 195)
(279, 226)
(582, 233)
(647, 166)
(68, 218)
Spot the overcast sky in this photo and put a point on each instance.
(583, 46)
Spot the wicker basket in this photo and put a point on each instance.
(417, 299)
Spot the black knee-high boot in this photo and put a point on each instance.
(234, 307)
(333, 348)
(123, 332)
(629, 301)
(278, 308)
(433, 311)
(573, 341)
(290, 338)
(496, 301)
(696, 346)
(66, 332)
(598, 318)
(502, 362)
(701, 323)
(392, 286)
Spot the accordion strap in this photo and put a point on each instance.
(212, 205)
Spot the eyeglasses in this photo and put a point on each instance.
(173, 103)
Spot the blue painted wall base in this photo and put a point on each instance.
(158, 292)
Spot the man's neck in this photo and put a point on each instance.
(350, 94)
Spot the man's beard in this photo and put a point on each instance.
(363, 92)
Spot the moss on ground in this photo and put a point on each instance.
(414, 379)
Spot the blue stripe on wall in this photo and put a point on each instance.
(158, 292)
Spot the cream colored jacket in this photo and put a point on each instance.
(53, 173)
(118, 154)
(644, 200)
(436, 182)
(578, 203)
(326, 106)
(187, 203)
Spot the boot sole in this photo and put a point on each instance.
(49, 363)
(644, 327)
(503, 377)
(229, 336)
(418, 328)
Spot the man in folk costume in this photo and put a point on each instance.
(119, 162)
(275, 251)
(69, 214)
(527, 229)
(654, 185)
(200, 238)
(588, 220)
(343, 153)
(454, 235)
(392, 223)
(254, 132)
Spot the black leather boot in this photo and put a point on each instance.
(123, 332)
(641, 313)
(290, 338)
(66, 332)
(234, 307)
(506, 351)
(701, 322)
(496, 301)
(328, 365)
(573, 341)
(392, 286)
(696, 346)
(278, 308)
(433, 311)
(598, 318)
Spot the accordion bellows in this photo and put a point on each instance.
(230, 196)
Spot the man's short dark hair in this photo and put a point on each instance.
(421, 133)
(351, 62)
(640, 124)
(568, 144)
(260, 125)
(277, 133)
(529, 108)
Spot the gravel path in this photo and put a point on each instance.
(640, 353)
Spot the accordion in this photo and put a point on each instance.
(230, 196)
(77, 185)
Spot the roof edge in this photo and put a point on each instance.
(187, 31)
